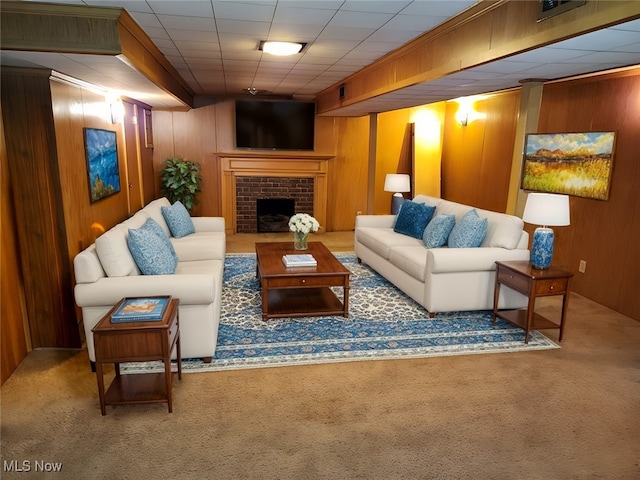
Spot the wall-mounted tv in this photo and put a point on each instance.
(275, 124)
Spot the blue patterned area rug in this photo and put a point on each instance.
(383, 323)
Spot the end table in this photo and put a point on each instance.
(532, 282)
(137, 342)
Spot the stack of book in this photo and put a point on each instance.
(304, 260)
(149, 309)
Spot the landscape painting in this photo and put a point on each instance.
(102, 162)
(577, 164)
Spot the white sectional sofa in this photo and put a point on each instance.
(106, 272)
(444, 279)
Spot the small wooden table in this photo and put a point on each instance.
(532, 282)
(300, 291)
(137, 342)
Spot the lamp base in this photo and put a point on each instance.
(542, 248)
(396, 202)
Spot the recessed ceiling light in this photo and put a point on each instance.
(281, 48)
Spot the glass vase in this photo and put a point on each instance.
(300, 240)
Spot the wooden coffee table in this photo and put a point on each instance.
(300, 291)
(137, 342)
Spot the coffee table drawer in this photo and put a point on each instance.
(307, 281)
(517, 282)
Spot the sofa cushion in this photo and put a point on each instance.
(200, 246)
(438, 230)
(381, 239)
(469, 231)
(413, 218)
(412, 260)
(151, 253)
(503, 231)
(154, 210)
(178, 220)
(113, 251)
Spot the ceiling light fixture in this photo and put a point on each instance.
(281, 49)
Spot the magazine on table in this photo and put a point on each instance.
(143, 309)
(300, 260)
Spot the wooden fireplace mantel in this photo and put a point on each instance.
(272, 164)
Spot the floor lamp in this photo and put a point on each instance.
(546, 209)
(397, 183)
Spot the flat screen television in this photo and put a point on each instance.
(275, 124)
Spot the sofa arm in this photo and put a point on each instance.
(384, 221)
(446, 260)
(191, 289)
(208, 224)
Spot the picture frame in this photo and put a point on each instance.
(101, 148)
(578, 164)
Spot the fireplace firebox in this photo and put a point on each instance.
(274, 213)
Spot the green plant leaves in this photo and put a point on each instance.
(180, 181)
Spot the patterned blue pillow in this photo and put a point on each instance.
(150, 253)
(469, 231)
(155, 227)
(438, 230)
(413, 218)
(178, 220)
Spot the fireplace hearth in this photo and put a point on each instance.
(274, 213)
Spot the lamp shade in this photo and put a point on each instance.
(397, 182)
(547, 209)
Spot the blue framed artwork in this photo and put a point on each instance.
(102, 163)
(579, 164)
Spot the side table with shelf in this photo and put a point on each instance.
(532, 282)
(137, 342)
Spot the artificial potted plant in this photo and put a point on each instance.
(180, 181)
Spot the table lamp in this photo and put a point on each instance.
(397, 183)
(546, 209)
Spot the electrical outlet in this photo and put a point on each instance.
(583, 266)
(359, 212)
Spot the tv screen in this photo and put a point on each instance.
(275, 125)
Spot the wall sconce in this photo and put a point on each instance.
(397, 183)
(462, 118)
(116, 109)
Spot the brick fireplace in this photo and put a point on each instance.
(245, 177)
(249, 190)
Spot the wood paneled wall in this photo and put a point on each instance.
(37, 188)
(13, 316)
(604, 233)
(476, 158)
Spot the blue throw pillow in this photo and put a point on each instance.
(413, 218)
(150, 253)
(438, 230)
(178, 220)
(469, 231)
(155, 227)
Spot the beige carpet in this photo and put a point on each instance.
(571, 413)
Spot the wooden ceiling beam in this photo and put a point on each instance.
(490, 30)
(79, 29)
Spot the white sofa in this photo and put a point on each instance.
(444, 279)
(106, 272)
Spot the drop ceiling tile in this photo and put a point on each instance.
(359, 19)
(287, 13)
(438, 8)
(253, 12)
(146, 20)
(375, 6)
(189, 8)
(187, 23)
(257, 29)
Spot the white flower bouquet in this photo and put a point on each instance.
(303, 223)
